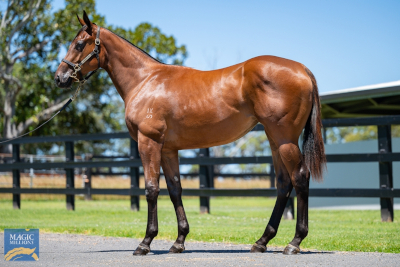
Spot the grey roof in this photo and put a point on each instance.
(362, 92)
(365, 101)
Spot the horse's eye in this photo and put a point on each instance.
(80, 45)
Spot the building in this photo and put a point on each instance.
(366, 101)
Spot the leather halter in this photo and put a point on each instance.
(77, 66)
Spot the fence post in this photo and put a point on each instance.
(134, 175)
(69, 156)
(206, 177)
(385, 172)
(88, 182)
(16, 176)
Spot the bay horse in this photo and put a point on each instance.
(168, 108)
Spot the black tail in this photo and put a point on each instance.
(313, 144)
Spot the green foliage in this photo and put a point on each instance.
(233, 220)
(337, 135)
(350, 134)
(154, 42)
(98, 108)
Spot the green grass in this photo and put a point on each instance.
(234, 220)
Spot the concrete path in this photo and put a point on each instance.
(80, 250)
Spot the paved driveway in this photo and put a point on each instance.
(80, 250)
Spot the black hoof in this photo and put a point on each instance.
(256, 248)
(177, 248)
(291, 250)
(141, 250)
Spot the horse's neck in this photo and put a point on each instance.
(126, 65)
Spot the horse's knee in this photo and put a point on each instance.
(152, 192)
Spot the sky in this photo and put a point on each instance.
(345, 44)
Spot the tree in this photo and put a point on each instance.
(337, 135)
(32, 37)
(350, 134)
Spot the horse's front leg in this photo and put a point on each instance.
(170, 165)
(150, 153)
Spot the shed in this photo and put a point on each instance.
(366, 101)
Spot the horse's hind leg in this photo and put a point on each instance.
(288, 160)
(170, 165)
(300, 177)
(284, 187)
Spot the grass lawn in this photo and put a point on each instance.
(234, 220)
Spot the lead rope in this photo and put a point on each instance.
(77, 68)
(65, 105)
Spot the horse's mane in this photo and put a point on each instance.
(144, 52)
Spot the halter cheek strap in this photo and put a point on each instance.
(77, 66)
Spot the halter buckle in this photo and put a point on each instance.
(73, 76)
(97, 41)
(96, 51)
(77, 68)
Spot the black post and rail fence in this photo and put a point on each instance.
(206, 174)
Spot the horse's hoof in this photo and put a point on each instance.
(291, 250)
(177, 248)
(256, 248)
(141, 250)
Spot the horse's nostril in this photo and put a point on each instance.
(57, 79)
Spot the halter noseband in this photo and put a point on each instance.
(77, 66)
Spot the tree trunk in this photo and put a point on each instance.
(9, 130)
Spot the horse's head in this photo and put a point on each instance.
(77, 62)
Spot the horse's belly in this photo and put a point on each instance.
(202, 132)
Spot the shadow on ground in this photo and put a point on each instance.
(162, 252)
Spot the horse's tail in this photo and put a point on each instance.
(313, 144)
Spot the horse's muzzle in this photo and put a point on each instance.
(63, 82)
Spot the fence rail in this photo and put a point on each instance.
(209, 192)
(369, 157)
(385, 157)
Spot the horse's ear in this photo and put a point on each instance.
(87, 22)
(80, 20)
